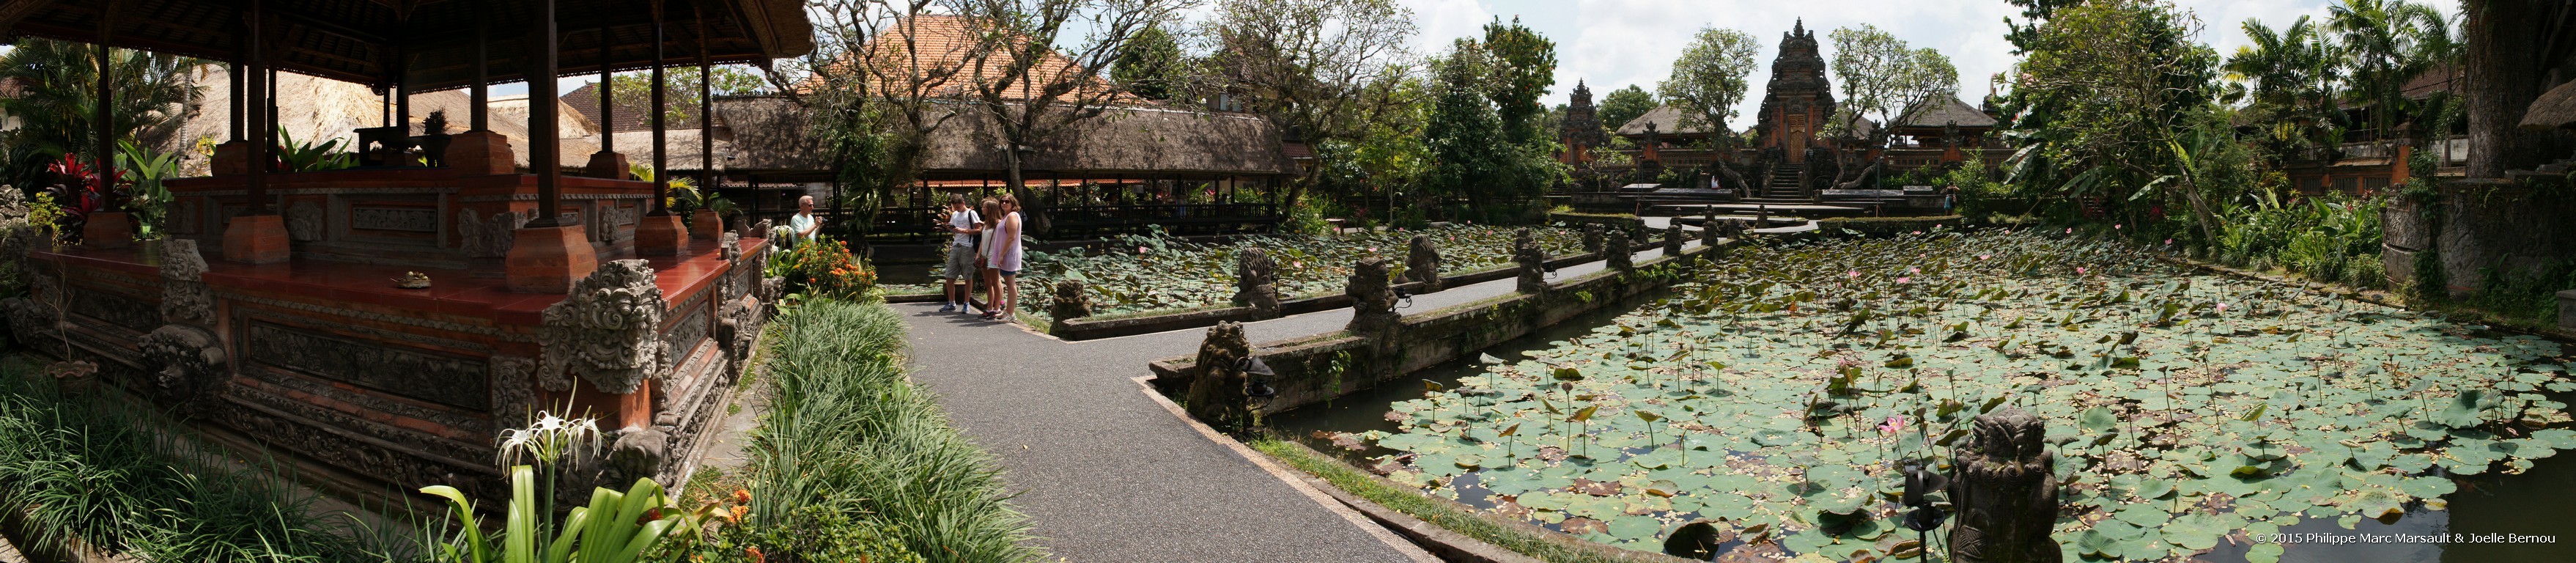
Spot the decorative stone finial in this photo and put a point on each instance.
(1215, 391)
(1372, 295)
(1071, 301)
(1256, 282)
(1591, 238)
(1617, 252)
(1422, 263)
(1673, 239)
(604, 329)
(1532, 260)
(2006, 492)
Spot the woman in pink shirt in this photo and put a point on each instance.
(1004, 255)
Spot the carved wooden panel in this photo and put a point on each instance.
(383, 366)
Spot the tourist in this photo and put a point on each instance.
(963, 225)
(990, 233)
(803, 223)
(1005, 257)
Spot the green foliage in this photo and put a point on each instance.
(1624, 105)
(2154, 382)
(127, 480)
(2331, 238)
(614, 528)
(1710, 77)
(824, 269)
(2104, 99)
(56, 105)
(847, 436)
(680, 89)
(1151, 65)
(1140, 274)
(1462, 131)
(1524, 66)
(308, 157)
(1882, 75)
(147, 198)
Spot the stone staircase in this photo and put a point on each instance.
(1782, 186)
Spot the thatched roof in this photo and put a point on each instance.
(2555, 108)
(1667, 120)
(634, 114)
(358, 40)
(951, 42)
(770, 133)
(317, 110)
(1941, 112)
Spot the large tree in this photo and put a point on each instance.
(1523, 67)
(1462, 128)
(1325, 70)
(1624, 105)
(1039, 76)
(1152, 65)
(1709, 77)
(1883, 76)
(680, 93)
(2106, 94)
(882, 78)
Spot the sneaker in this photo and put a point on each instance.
(948, 307)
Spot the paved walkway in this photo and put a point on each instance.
(1107, 474)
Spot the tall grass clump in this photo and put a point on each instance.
(847, 436)
(122, 480)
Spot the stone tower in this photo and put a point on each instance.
(1798, 100)
(1582, 130)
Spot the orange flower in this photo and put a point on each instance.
(754, 552)
(742, 496)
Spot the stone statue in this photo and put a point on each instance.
(184, 296)
(605, 331)
(2005, 492)
(1709, 228)
(1215, 390)
(192, 375)
(1256, 282)
(1591, 238)
(1071, 301)
(1673, 239)
(1422, 263)
(1372, 297)
(1617, 252)
(1533, 263)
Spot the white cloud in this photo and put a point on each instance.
(1615, 43)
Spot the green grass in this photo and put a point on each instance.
(1445, 515)
(94, 469)
(846, 433)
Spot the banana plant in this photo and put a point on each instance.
(615, 528)
(146, 168)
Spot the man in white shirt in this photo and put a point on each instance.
(803, 223)
(963, 225)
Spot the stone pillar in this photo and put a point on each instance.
(1673, 239)
(1708, 228)
(188, 359)
(2005, 492)
(1372, 295)
(1256, 282)
(1533, 263)
(1422, 264)
(257, 239)
(660, 235)
(604, 164)
(547, 259)
(1215, 390)
(1591, 238)
(1071, 301)
(1617, 252)
(607, 332)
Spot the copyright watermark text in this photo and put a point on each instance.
(2366, 537)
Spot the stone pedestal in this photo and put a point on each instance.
(231, 158)
(108, 229)
(604, 164)
(256, 239)
(660, 235)
(706, 225)
(2567, 310)
(481, 152)
(547, 259)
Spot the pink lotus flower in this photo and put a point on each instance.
(1984, 256)
(1903, 279)
(1855, 273)
(2079, 269)
(2168, 241)
(1894, 425)
(2115, 226)
(2070, 230)
(1918, 232)
(1914, 270)
(1140, 250)
(2222, 307)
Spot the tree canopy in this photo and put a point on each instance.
(1624, 105)
(1709, 77)
(1883, 76)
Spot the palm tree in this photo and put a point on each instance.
(2294, 72)
(154, 96)
(2385, 44)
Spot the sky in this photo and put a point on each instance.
(1611, 44)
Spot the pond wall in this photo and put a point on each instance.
(1089, 328)
(2480, 225)
(1315, 369)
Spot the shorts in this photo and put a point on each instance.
(961, 261)
(1010, 273)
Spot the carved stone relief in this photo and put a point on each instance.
(514, 395)
(192, 375)
(304, 221)
(604, 330)
(488, 237)
(185, 299)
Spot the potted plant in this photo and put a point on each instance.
(434, 139)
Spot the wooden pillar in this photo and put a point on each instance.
(257, 235)
(480, 151)
(606, 163)
(233, 78)
(547, 255)
(104, 118)
(480, 115)
(659, 232)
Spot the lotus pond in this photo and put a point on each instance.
(1163, 273)
(1774, 396)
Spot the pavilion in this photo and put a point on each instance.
(383, 323)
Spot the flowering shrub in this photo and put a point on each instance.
(824, 269)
